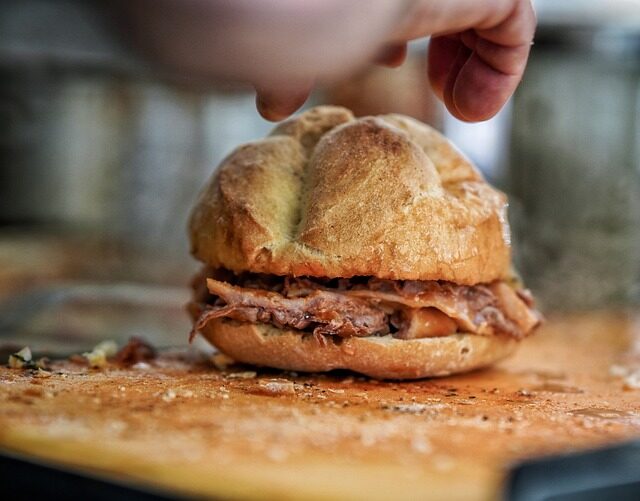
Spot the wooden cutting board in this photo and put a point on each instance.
(182, 424)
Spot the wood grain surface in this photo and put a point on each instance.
(185, 425)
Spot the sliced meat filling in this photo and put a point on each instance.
(364, 306)
(326, 312)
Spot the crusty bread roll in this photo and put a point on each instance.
(332, 196)
(329, 195)
(381, 357)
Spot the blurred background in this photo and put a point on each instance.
(101, 158)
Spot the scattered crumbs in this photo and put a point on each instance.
(276, 387)
(221, 361)
(412, 408)
(42, 373)
(77, 359)
(136, 350)
(122, 389)
(141, 366)
(168, 395)
(43, 364)
(97, 357)
(242, 375)
(524, 393)
(224, 396)
(22, 359)
(331, 390)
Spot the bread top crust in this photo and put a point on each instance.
(330, 195)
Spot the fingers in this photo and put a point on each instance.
(479, 91)
(475, 64)
(474, 83)
(515, 29)
(443, 52)
(276, 103)
(476, 71)
(462, 56)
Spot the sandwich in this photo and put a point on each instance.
(370, 244)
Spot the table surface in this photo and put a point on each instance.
(185, 425)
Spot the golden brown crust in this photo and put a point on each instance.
(382, 357)
(330, 195)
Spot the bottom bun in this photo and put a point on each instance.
(381, 357)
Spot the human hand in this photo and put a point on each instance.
(477, 55)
